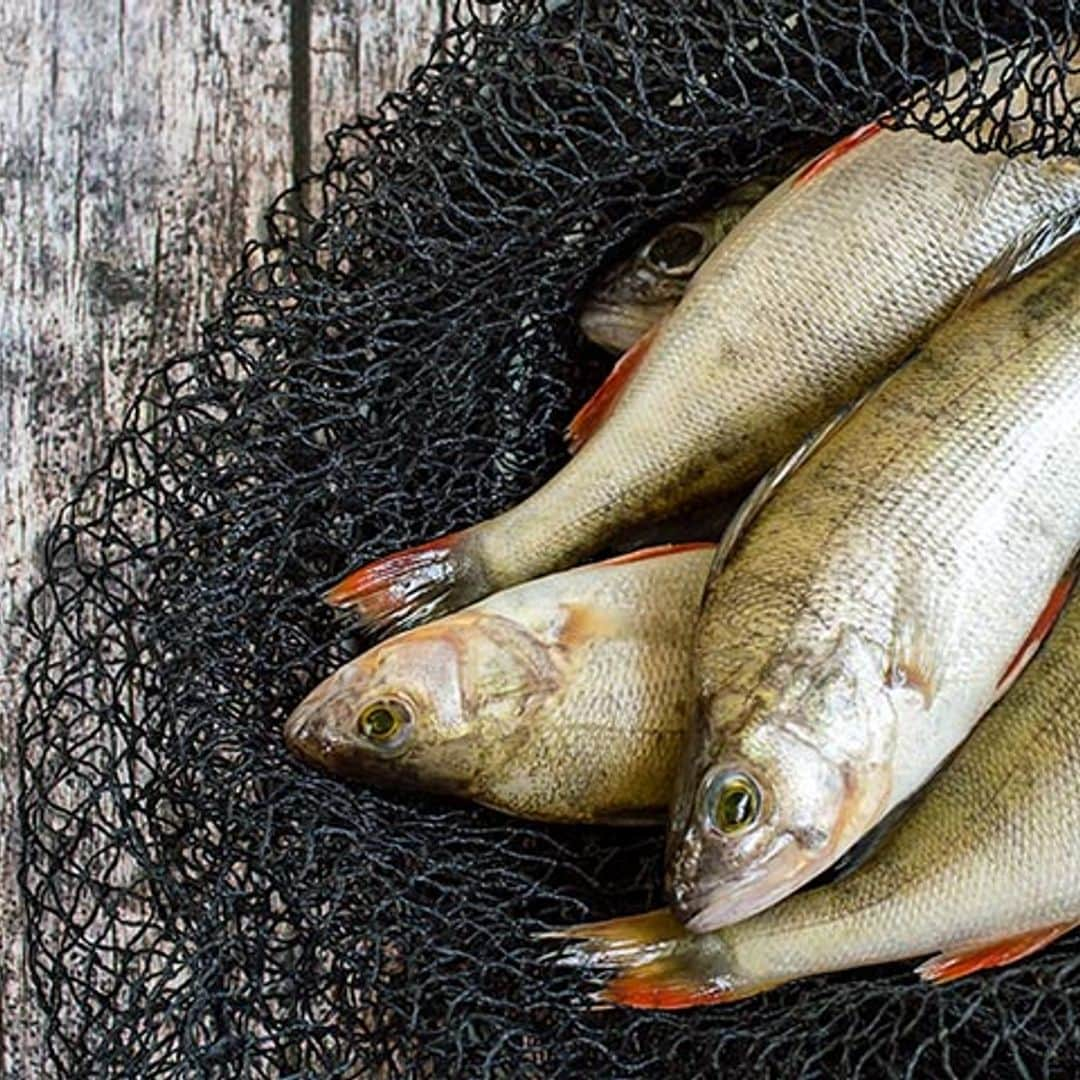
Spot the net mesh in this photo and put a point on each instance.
(396, 360)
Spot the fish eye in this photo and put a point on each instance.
(383, 721)
(732, 802)
(678, 250)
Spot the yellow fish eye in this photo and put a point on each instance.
(382, 721)
(732, 802)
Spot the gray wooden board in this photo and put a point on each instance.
(139, 145)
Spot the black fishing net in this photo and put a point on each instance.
(396, 360)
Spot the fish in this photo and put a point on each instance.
(875, 596)
(640, 291)
(824, 287)
(983, 871)
(563, 699)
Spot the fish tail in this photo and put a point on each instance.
(632, 931)
(411, 586)
(651, 961)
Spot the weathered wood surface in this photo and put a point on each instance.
(139, 145)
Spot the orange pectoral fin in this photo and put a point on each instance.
(835, 152)
(955, 965)
(1039, 632)
(596, 410)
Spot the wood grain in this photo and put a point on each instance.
(139, 145)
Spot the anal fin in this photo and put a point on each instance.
(957, 963)
(597, 409)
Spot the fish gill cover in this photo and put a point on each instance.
(397, 360)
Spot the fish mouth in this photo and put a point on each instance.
(709, 910)
(310, 740)
(719, 902)
(293, 730)
(613, 327)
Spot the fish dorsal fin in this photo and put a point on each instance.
(775, 478)
(1029, 251)
(825, 159)
(597, 409)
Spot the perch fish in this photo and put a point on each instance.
(563, 699)
(876, 595)
(983, 871)
(827, 284)
(641, 290)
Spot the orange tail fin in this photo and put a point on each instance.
(950, 966)
(651, 961)
(596, 410)
(409, 586)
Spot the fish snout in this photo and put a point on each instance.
(684, 878)
(614, 327)
(306, 736)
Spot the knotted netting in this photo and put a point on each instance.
(396, 360)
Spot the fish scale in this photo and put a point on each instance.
(870, 605)
(641, 290)
(575, 692)
(984, 868)
(822, 289)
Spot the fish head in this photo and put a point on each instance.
(426, 710)
(639, 291)
(798, 771)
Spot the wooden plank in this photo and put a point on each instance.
(139, 145)
(360, 51)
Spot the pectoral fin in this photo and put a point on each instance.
(991, 954)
